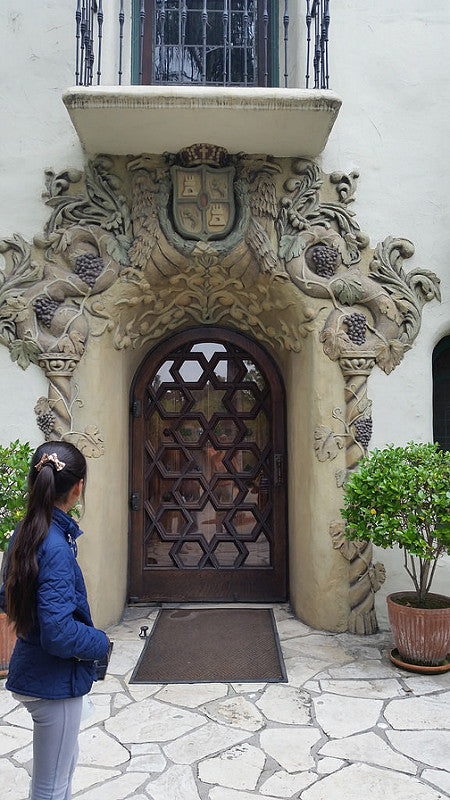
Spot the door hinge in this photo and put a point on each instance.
(279, 469)
(135, 501)
(136, 408)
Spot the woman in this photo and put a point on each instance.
(52, 665)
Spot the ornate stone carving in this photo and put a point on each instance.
(365, 578)
(287, 258)
(48, 289)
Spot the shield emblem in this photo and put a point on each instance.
(203, 202)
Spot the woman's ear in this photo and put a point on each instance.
(75, 492)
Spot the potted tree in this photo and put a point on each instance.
(14, 465)
(400, 496)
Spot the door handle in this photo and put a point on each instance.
(279, 469)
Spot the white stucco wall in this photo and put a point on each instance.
(389, 62)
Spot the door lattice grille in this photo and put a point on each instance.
(208, 462)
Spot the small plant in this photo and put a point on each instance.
(401, 496)
(14, 467)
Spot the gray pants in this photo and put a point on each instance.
(55, 746)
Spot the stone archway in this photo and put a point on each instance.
(114, 273)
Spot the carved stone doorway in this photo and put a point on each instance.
(208, 477)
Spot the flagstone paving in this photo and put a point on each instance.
(348, 723)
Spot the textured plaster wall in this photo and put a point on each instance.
(390, 62)
(318, 575)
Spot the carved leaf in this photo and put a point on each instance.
(118, 248)
(425, 285)
(91, 443)
(346, 547)
(24, 352)
(388, 356)
(327, 443)
(341, 477)
(348, 289)
(377, 575)
(334, 342)
(365, 406)
(291, 247)
(389, 308)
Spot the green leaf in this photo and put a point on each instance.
(291, 247)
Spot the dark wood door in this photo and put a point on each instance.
(208, 506)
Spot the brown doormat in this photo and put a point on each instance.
(219, 645)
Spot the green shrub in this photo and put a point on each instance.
(401, 496)
(14, 467)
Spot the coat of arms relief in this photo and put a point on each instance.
(136, 248)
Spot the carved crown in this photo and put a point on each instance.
(203, 153)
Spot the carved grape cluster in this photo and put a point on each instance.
(356, 327)
(363, 433)
(324, 260)
(46, 422)
(88, 267)
(45, 308)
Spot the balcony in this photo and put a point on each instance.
(174, 72)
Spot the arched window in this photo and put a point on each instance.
(441, 393)
(210, 42)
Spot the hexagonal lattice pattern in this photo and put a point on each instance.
(208, 462)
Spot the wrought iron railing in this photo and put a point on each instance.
(237, 43)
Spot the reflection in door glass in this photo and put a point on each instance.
(163, 375)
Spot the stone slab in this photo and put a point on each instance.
(341, 716)
(290, 747)
(370, 749)
(372, 688)
(439, 778)
(12, 738)
(285, 704)
(429, 747)
(115, 789)
(428, 712)
(362, 780)
(237, 768)
(191, 695)
(284, 784)
(151, 721)
(203, 742)
(15, 782)
(85, 777)
(235, 711)
(99, 749)
(219, 793)
(177, 784)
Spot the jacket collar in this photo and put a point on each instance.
(67, 525)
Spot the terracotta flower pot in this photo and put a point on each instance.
(7, 642)
(421, 635)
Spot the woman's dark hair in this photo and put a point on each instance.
(48, 484)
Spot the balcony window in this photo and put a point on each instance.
(209, 42)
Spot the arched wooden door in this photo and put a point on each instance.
(208, 505)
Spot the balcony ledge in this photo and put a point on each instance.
(130, 120)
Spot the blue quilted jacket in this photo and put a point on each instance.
(55, 659)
